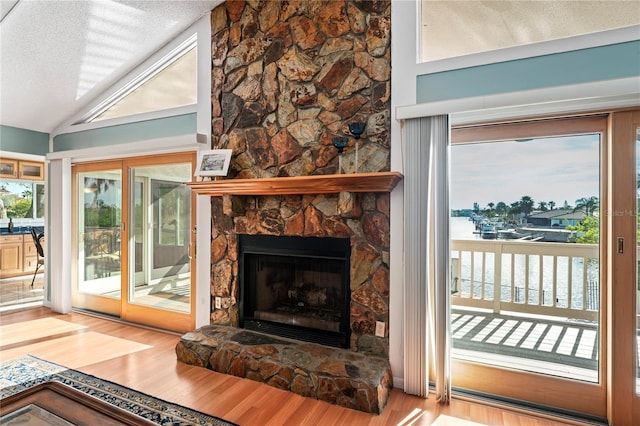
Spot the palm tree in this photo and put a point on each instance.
(552, 204)
(490, 212)
(526, 203)
(515, 209)
(501, 208)
(588, 205)
(542, 205)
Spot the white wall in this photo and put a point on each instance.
(404, 53)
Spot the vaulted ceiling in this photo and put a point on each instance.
(58, 56)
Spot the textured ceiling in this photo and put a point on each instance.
(58, 56)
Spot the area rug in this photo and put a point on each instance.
(21, 373)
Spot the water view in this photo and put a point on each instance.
(568, 276)
(524, 231)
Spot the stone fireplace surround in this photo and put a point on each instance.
(359, 378)
(361, 217)
(371, 262)
(287, 78)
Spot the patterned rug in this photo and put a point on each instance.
(21, 373)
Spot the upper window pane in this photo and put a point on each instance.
(452, 28)
(173, 86)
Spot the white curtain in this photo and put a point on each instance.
(426, 316)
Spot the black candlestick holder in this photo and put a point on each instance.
(357, 129)
(340, 143)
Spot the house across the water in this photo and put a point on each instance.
(560, 218)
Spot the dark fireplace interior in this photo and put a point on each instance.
(296, 287)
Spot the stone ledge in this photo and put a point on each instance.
(337, 376)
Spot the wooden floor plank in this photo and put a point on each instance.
(145, 360)
(35, 329)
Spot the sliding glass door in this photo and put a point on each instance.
(545, 263)
(99, 209)
(528, 265)
(161, 239)
(135, 235)
(624, 291)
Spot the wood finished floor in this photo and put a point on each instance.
(144, 359)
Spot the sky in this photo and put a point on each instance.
(17, 188)
(549, 169)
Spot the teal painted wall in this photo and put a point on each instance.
(580, 66)
(14, 139)
(123, 133)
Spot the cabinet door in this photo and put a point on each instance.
(30, 254)
(30, 263)
(31, 170)
(8, 168)
(10, 255)
(29, 246)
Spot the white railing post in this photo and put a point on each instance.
(497, 279)
(565, 252)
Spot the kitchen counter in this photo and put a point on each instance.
(21, 230)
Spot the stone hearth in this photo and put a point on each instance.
(333, 375)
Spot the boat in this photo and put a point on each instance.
(488, 232)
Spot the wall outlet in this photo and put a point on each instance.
(218, 302)
(380, 328)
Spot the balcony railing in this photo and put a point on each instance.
(554, 279)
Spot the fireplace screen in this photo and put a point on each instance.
(296, 287)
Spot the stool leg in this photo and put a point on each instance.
(34, 274)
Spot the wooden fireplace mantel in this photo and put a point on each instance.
(300, 185)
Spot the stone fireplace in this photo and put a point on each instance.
(296, 287)
(289, 77)
(359, 219)
(303, 251)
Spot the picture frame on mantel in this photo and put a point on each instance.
(213, 162)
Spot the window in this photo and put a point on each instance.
(169, 83)
(457, 28)
(21, 200)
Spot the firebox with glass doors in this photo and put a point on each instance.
(296, 287)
